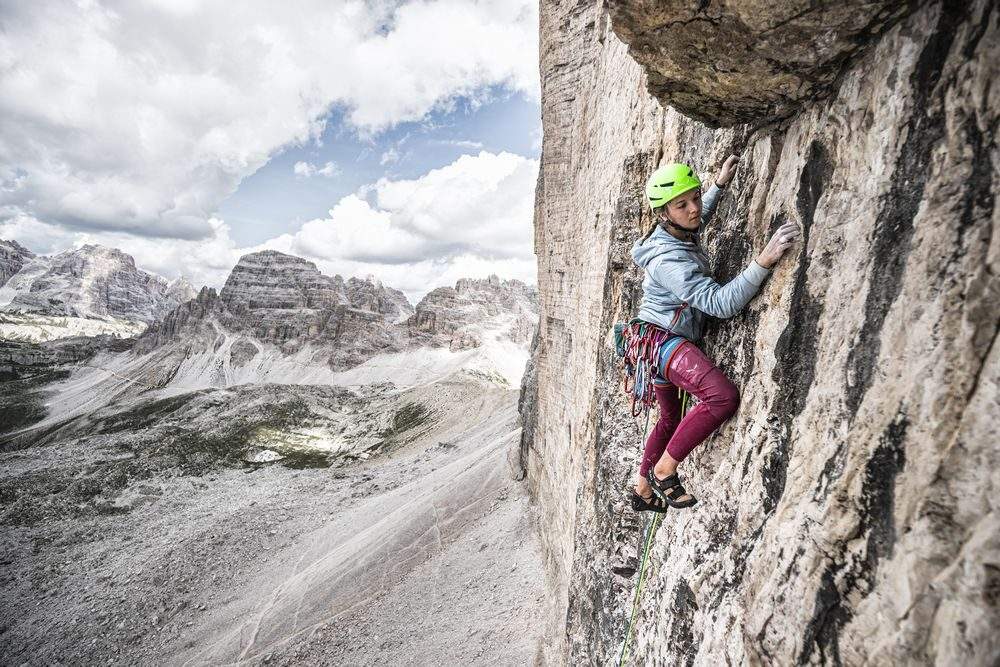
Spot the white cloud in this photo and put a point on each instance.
(459, 143)
(308, 170)
(478, 205)
(470, 218)
(467, 219)
(141, 117)
(389, 156)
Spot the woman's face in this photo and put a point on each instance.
(684, 209)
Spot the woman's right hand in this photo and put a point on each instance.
(782, 240)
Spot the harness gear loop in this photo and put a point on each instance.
(642, 341)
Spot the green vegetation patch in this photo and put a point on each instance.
(198, 451)
(405, 420)
(22, 400)
(409, 417)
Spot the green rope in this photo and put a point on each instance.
(647, 542)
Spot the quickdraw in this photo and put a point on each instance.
(639, 343)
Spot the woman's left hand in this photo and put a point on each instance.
(728, 170)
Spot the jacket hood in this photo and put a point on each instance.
(659, 242)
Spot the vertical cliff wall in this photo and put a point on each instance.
(848, 512)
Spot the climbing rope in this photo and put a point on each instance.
(638, 344)
(647, 543)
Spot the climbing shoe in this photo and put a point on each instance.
(654, 504)
(669, 489)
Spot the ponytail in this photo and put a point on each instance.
(654, 223)
(645, 236)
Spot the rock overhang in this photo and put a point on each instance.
(732, 62)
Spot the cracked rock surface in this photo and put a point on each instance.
(737, 61)
(848, 512)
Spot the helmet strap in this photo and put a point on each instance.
(688, 235)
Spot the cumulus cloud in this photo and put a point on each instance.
(141, 117)
(478, 206)
(467, 219)
(470, 218)
(308, 170)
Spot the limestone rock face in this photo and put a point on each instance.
(370, 294)
(458, 317)
(12, 257)
(848, 512)
(739, 61)
(178, 291)
(283, 300)
(191, 319)
(272, 280)
(90, 281)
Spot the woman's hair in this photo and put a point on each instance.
(654, 220)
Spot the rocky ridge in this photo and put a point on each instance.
(12, 258)
(456, 316)
(271, 298)
(89, 282)
(848, 511)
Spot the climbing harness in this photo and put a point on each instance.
(638, 345)
(647, 543)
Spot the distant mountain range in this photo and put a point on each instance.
(90, 281)
(270, 297)
(276, 300)
(277, 319)
(87, 291)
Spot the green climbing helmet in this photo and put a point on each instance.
(669, 181)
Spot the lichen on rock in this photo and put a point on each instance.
(847, 512)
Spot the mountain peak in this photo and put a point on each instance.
(15, 247)
(88, 281)
(270, 279)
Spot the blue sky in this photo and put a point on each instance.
(274, 200)
(371, 137)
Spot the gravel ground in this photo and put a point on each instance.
(126, 542)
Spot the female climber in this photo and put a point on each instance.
(678, 291)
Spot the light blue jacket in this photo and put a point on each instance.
(679, 278)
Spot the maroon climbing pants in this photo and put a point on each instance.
(718, 398)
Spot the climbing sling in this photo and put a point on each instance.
(638, 345)
(647, 543)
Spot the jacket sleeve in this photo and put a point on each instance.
(709, 201)
(680, 273)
